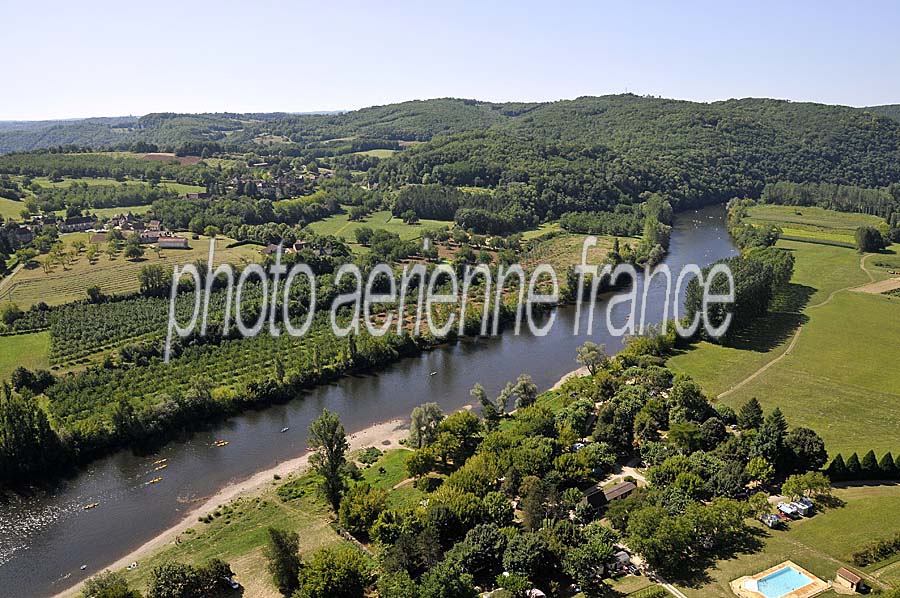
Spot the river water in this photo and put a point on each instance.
(45, 538)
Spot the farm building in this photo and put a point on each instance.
(173, 243)
(848, 580)
(82, 223)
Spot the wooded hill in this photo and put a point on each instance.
(575, 155)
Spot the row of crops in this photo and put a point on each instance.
(88, 404)
(83, 329)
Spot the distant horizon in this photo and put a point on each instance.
(102, 57)
(325, 112)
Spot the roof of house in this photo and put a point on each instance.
(849, 575)
(619, 490)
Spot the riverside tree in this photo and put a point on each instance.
(328, 438)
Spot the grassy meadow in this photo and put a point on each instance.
(28, 350)
(377, 153)
(341, 226)
(839, 375)
(113, 276)
(11, 209)
(564, 250)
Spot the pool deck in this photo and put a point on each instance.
(811, 589)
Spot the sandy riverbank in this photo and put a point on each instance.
(582, 371)
(383, 435)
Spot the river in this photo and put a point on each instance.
(46, 537)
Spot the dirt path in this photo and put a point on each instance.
(6, 282)
(796, 337)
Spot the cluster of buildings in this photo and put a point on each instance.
(148, 233)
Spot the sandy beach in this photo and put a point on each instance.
(382, 435)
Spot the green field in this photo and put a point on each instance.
(812, 222)
(340, 226)
(377, 153)
(10, 208)
(116, 276)
(841, 377)
(821, 544)
(28, 350)
(179, 188)
(547, 227)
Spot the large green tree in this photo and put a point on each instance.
(329, 441)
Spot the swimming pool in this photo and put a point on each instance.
(782, 582)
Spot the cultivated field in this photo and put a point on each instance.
(377, 153)
(113, 276)
(812, 222)
(564, 250)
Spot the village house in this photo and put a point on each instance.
(597, 497)
(24, 234)
(79, 224)
(196, 195)
(150, 236)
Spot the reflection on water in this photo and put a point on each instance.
(44, 539)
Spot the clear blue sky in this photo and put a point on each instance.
(96, 58)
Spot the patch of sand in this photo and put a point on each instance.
(882, 286)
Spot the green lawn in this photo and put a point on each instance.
(29, 350)
(821, 544)
(841, 378)
(339, 225)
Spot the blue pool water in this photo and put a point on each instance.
(781, 582)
